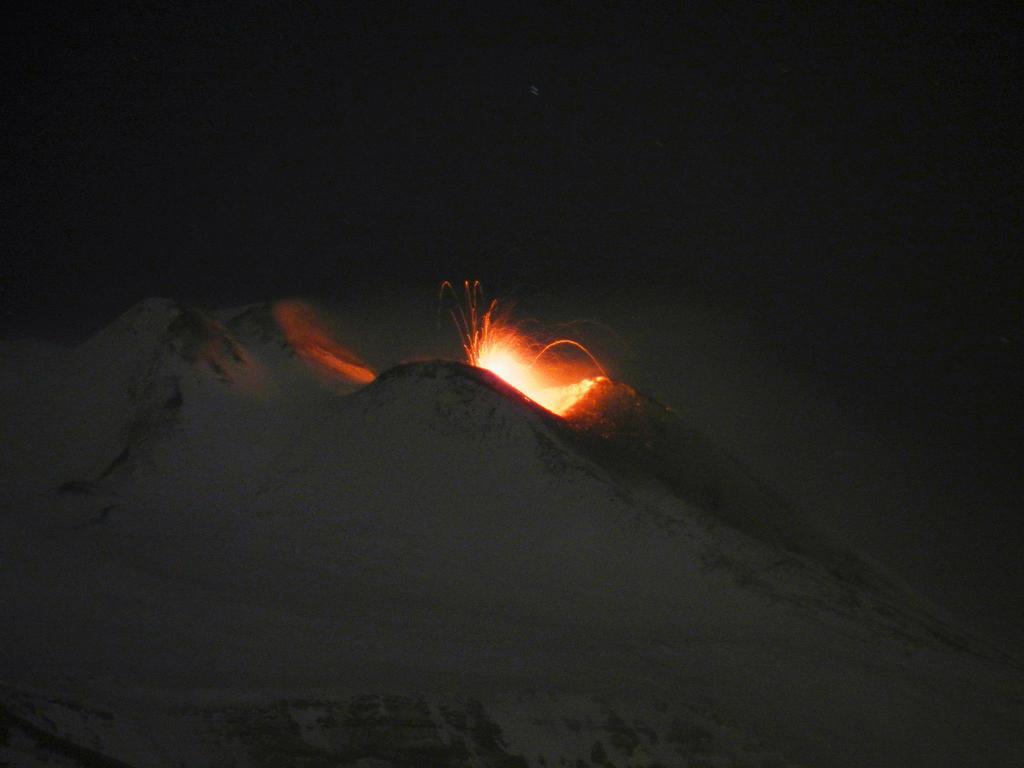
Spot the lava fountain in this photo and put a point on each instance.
(537, 369)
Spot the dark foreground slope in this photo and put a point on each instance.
(233, 565)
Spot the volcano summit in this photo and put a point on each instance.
(214, 555)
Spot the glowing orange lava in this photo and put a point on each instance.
(310, 336)
(490, 341)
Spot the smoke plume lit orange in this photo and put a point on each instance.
(310, 336)
(490, 341)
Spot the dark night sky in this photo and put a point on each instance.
(849, 181)
(841, 163)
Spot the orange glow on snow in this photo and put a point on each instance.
(492, 343)
(309, 334)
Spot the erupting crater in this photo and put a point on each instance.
(490, 341)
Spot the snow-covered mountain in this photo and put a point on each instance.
(214, 554)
